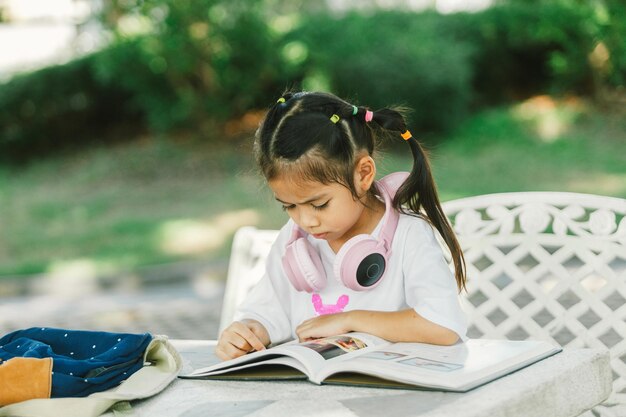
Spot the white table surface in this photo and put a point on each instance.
(563, 385)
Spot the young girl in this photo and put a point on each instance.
(357, 254)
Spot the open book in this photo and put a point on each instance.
(362, 359)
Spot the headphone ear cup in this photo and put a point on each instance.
(303, 266)
(360, 265)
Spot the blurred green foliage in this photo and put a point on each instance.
(556, 47)
(601, 22)
(527, 49)
(391, 58)
(190, 61)
(56, 107)
(193, 64)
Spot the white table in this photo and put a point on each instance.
(563, 385)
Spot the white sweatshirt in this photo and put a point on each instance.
(418, 277)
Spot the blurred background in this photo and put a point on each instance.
(126, 129)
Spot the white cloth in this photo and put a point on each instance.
(418, 277)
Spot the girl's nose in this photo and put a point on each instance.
(308, 219)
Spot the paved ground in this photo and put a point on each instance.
(182, 308)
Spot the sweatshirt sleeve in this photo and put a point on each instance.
(430, 286)
(269, 300)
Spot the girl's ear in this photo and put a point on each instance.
(364, 174)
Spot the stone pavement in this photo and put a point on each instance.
(183, 302)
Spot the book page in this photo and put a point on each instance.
(281, 367)
(456, 367)
(307, 357)
(323, 352)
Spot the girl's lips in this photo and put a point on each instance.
(319, 235)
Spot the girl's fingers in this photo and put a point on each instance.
(304, 332)
(252, 341)
(237, 340)
(228, 351)
(231, 346)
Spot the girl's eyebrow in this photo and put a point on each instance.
(304, 202)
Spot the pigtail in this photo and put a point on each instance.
(419, 194)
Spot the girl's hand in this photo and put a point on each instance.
(323, 326)
(241, 337)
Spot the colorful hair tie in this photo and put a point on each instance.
(406, 135)
(369, 115)
(281, 100)
(334, 118)
(355, 110)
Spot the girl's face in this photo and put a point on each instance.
(327, 211)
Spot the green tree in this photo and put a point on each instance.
(190, 61)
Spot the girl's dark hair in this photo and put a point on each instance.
(297, 137)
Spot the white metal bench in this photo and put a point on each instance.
(541, 265)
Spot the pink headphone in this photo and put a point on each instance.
(361, 262)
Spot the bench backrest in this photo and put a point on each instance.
(246, 266)
(548, 266)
